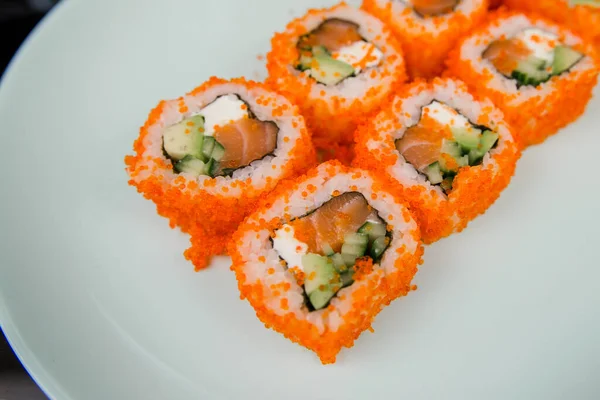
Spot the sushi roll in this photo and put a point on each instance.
(582, 16)
(324, 254)
(539, 74)
(446, 152)
(428, 29)
(337, 64)
(206, 157)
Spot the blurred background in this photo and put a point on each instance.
(17, 19)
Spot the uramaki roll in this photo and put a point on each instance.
(337, 64)
(447, 153)
(427, 29)
(582, 16)
(206, 157)
(324, 254)
(538, 73)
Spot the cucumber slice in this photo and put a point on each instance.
(218, 152)
(564, 59)
(452, 148)
(184, 139)
(319, 51)
(305, 62)
(327, 249)
(191, 165)
(488, 140)
(338, 262)
(475, 156)
(531, 72)
(446, 169)
(208, 146)
(211, 167)
(359, 239)
(330, 71)
(467, 138)
(379, 246)
(349, 259)
(434, 174)
(373, 229)
(357, 250)
(323, 286)
(347, 278)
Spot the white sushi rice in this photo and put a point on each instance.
(258, 170)
(256, 245)
(474, 47)
(415, 24)
(371, 29)
(452, 93)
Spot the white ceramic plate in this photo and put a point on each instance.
(99, 302)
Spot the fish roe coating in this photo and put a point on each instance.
(426, 41)
(553, 105)
(333, 112)
(581, 18)
(475, 188)
(374, 287)
(210, 209)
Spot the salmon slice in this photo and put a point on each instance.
(431, 8)
(420, 146)
(332, 34)
(505, 54)
(331, 222)
(245, 140)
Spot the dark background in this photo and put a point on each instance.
(17, 19)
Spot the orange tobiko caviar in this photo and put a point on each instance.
(191, 186)
(580, 16)
(427, 34)
(338, 64)
(536, 107)
(285, 285)
(411, 141)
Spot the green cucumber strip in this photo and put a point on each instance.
(564, 59)
(434, 174)
(379, 246)
(325, 280)
(319, 51)
(208, 146)
(531, 71)
(330, 71)
(467, 138)
(218, 151)
(347, 278)
(327, 249)
(181, 139)
(488, 140)
(373, 229)
(360, 239)
(349, 259)
(191, 165)
(338, 262)
(357, 250)
(475, 156)
(452, 148)
(463, 161)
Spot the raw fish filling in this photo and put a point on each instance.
(327, 248)
(442, 142)
(432, 8)
(531, 57)
(335, 51)
(224, 136)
